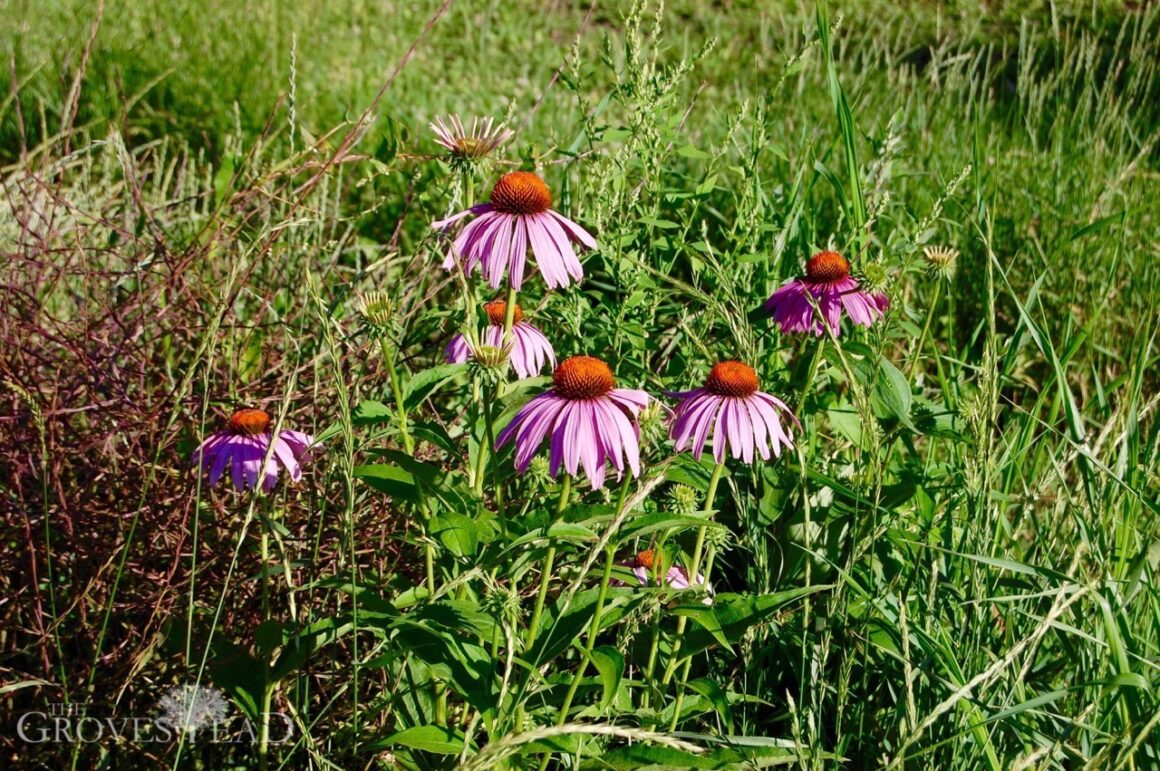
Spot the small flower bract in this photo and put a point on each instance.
(829, 283)
(518, 217)
(590, 420)
(739, 416)
(243, 447)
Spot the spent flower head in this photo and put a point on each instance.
(466, 148)
(940, 261)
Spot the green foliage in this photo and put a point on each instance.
(955, 565)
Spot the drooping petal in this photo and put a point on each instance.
(563, 246)
(457, 350)
(574, 231)
(547, 257)
(482, 208)
(285, 454)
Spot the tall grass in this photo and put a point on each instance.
(957, 567)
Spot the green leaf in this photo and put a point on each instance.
(664, 521)
(389, 479)
(426, 382)
(892, 393)
(610, 664)
(736, 613)
(459, 533)
(429, 738)
(704, 616)
(371, 412)
(716, 696)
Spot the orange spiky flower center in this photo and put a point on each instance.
(520, 192)
(825, 267)
(582, 377)
(646, 559)
(250, 421)
(496, 311)
(732, 378)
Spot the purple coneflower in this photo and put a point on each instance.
(828, 280)
(732, 407)
(518, 216)
(530, 349)
(676, 577)
(591, 421)
(483, 139)
(243, 447)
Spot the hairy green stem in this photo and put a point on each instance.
(545, 579)
(694, 567)
(267, 689)
(916, 355)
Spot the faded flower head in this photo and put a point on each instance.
(940, 260)
(468, 147)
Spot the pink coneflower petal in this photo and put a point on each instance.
(529, 351)
(242, 449)
(591, 423)
(743, 421)
(518, 218)
(829, 284)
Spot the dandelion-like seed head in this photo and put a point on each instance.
(520, 192)
(941, 260)
(732, 378)
(720, 538)
(826, 267)
(654, 423)
(502, 602)
(250, 421)
(582, 377)
(496, 311)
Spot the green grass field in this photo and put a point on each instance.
(955, 566)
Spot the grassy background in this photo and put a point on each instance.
(996, 599)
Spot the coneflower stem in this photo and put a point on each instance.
(914, 357)
(397, 392)
(594, 629)
(546, 572)
(815, 362)
(542, 594)
(267, 690)
(509, 315)
(689, 661)
(694, 567)
(409, 446)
